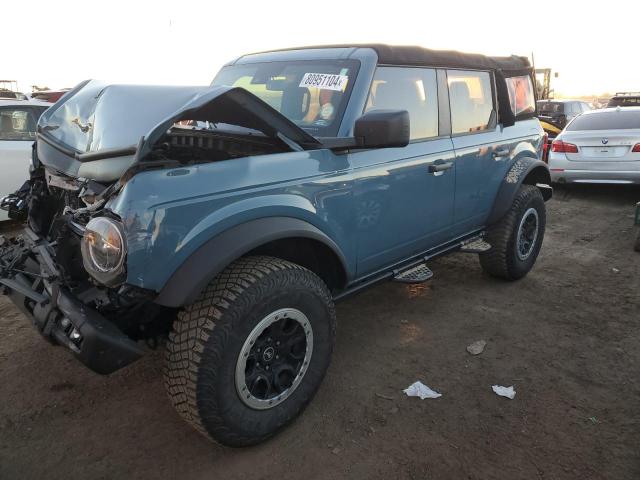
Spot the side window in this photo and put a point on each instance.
(471, 100)
(411, 89)
(521, 94)
(17, 124)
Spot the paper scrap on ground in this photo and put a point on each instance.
(419, 389)
(508, 392)
(476, 348)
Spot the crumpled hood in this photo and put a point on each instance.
(96, 117)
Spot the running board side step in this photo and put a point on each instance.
(417, 274)
(477, 245)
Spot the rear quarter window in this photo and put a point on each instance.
(521, 95)
(615, 120)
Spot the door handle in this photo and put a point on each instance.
(440, 167)
(501, 152)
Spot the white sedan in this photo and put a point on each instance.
(18, 119)
(599, 146)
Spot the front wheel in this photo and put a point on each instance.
(246, 357)
(516, 239)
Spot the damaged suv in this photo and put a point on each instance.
(228, 219)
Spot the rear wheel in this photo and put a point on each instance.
(637, 244)
(245, 359)
(516, 239)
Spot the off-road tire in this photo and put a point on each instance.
(208, 335)
(502, 260)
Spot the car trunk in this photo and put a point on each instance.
(603, 147)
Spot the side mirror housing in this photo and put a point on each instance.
(382, 129)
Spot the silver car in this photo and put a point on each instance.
(18, 119)
(599, 146)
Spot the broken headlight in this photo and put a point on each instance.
(104, 250)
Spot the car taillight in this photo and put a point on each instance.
(636, 148)
(563, 147)
(545, 147)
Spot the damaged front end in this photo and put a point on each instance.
(67, 270)
(66, 273)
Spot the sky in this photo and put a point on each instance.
(592, 45)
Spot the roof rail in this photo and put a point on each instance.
(624, 94)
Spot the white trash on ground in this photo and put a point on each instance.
(476, 348)
(419, 389)
(508, 392)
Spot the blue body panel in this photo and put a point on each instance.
(379, 206)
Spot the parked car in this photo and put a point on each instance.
(600, 146)
(18, 120)
(51, 96)
(561, 112)
(625, 99)
(232, 217)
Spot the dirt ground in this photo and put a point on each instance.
(567, 337)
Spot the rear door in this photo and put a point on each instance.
(403, 207)
(481, 153)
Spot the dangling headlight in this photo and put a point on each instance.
(104, 250)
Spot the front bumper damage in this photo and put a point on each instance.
(30, 278)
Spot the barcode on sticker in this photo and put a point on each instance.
(324, 81)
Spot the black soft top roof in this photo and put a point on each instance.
(418, 56)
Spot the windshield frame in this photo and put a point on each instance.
(330, 130)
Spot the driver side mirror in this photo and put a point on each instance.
(382, 129)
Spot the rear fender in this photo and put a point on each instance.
(527, 170)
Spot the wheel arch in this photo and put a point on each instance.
(287, 238)
(526, 170)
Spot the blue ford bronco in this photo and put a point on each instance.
(228, 219)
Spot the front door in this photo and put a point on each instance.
(403, 197)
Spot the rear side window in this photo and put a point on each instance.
(412, 89)
(606, 121)
(624, 102)
(550, 107)
(521, 95)
(471, 100)
(17, 124)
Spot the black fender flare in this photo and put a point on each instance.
(195, 273)
(527, 170)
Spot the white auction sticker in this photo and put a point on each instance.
(324, 81)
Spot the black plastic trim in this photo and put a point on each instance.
(515, 177)
(215, 255)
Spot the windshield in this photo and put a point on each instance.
(312, 94)
(614, 120)
(19, 123)
(550, 107)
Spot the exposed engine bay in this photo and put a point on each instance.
(192, 145)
